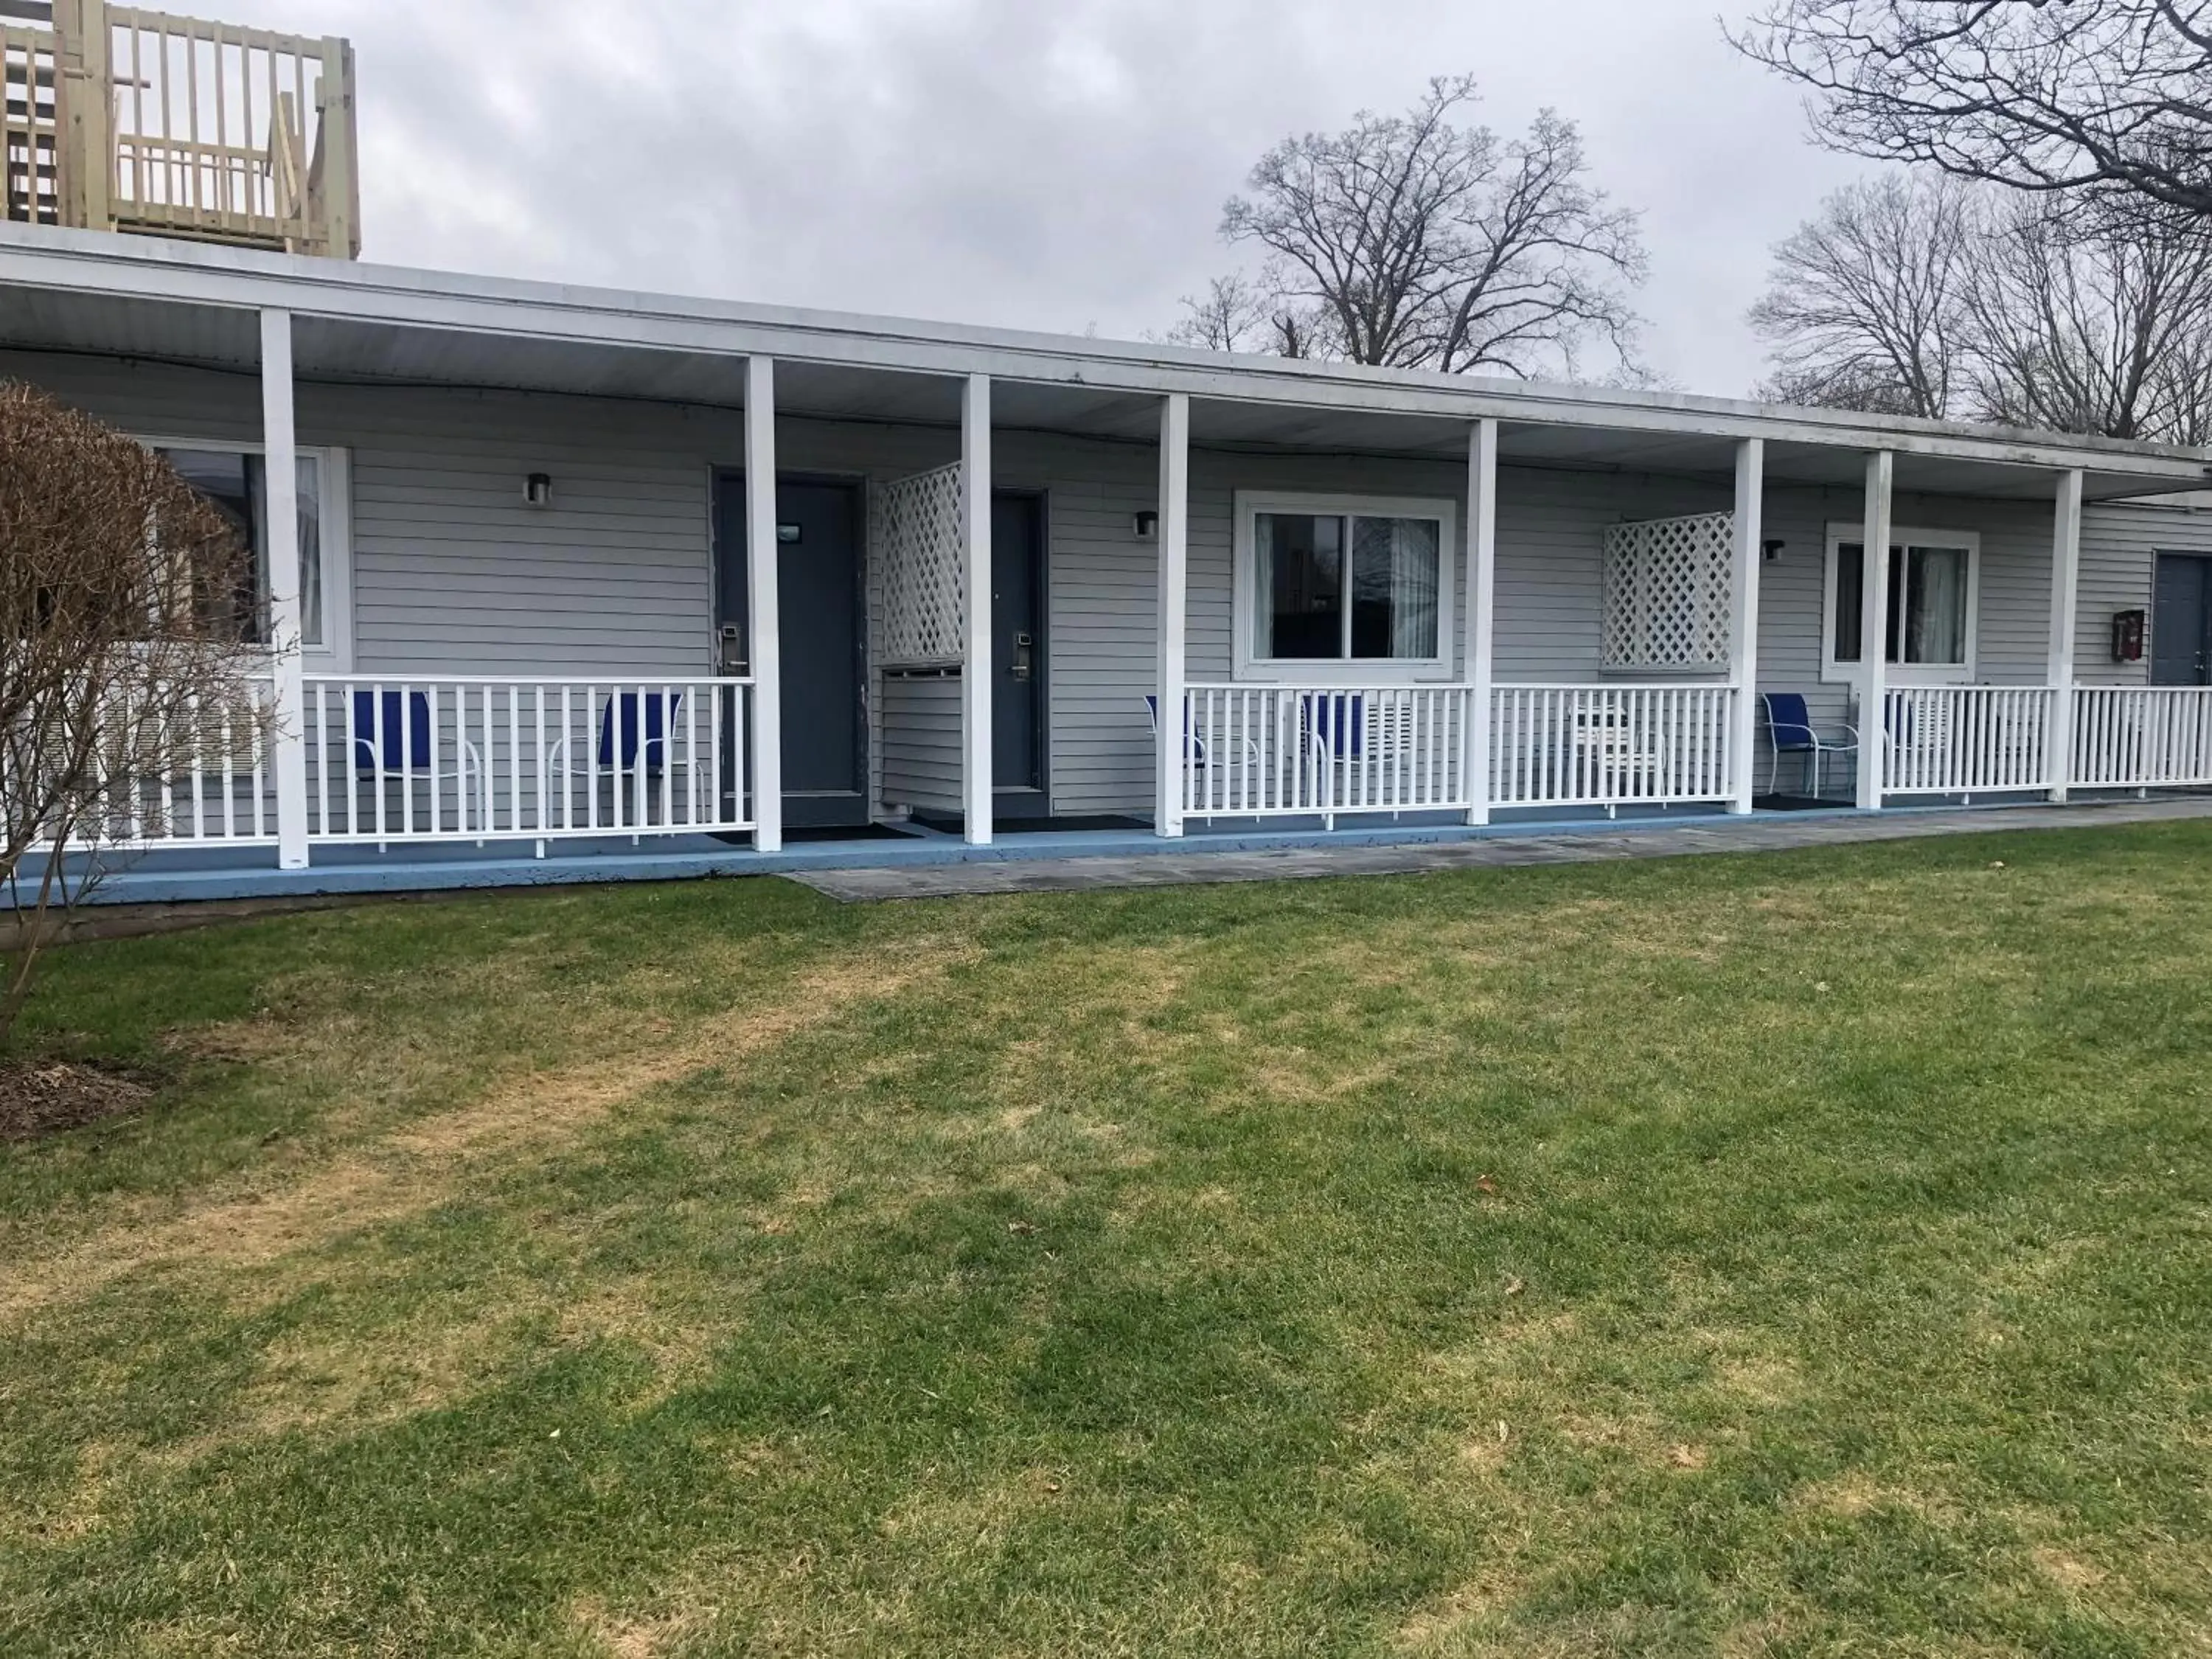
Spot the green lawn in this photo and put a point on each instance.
(1799, 1254)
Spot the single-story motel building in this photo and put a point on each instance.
(569, 584)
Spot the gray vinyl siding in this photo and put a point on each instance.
(2120, 544)
(452, 573)
(2119, 547)
(152, 399)
(1103, 636)
(920, 760)
(617, 569)
(1551, 561)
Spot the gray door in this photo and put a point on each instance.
(1018, 653)
(824, 637)
(2181, 620)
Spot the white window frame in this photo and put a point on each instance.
(1902, 673)
(335, 525)
(1357, 671)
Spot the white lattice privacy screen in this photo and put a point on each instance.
(1666, 592)
(914, 533)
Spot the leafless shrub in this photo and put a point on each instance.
(124, 599)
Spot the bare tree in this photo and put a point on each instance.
(1237, 313)
(2092, 321)
(1866, 306)
(1413, 241)
(125, 601)
(2184, 409)
(2043, 95)
(1934, 297)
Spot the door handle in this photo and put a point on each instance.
(1019, 668)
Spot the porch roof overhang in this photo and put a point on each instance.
(195, 303)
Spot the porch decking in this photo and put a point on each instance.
(932, 862)
(1493, 847)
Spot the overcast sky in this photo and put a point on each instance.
(1054, 164)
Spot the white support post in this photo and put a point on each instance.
(975, 668)
(1743, 622)
(2065, 602)
(1481, 604)
(764, 623)
(1874, 630)
(288, 741)
(1175, 554)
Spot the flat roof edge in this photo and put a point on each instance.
(210, 275)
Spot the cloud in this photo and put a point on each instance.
(1051, 164)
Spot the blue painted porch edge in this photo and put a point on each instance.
(182, 875)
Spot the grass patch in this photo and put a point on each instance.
(1795, 1254)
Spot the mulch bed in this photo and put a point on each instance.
(39, 1097)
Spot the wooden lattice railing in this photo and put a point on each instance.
(120, 119)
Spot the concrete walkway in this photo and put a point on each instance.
(1765, 833)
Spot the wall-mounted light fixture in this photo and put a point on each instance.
(1147, 526)
(1772, 550)
(537, 490)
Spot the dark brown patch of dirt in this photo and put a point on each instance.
(41, 1097)
(92, 922)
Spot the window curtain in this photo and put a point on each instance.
(1263, 586)
(1413, 573)
(1935, 606)
(236, 483)
(311, 552)
(311, 543)
(1394, 580)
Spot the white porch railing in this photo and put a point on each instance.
(1967, 740)
(204, 777)
(390, 759)
(2143, 737)
(1281, 750)
(1610, 745)
(396, 760)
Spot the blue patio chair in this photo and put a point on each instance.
(387, 748)
(1790, 731)
(399, 746)
(627, 719)
(661, 712)
(1335, 723)
(1194, 747)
